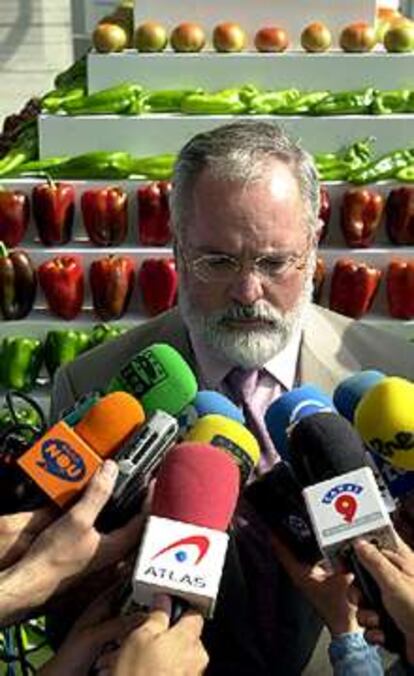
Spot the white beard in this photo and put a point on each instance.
(248, 347)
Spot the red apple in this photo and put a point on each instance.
(271, 39)
(358, 37)
(316, 37)
(188, 37)
(150, 36)
(229, 37)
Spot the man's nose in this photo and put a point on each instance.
(246, 288)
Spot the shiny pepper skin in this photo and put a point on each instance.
(399, 211)
(399, 282)
(353, 287)
(361, 213)
(105, 215)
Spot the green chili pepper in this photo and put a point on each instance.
(392, 101)
(386, 166)
(25, 149)
(21, 360)
(268, 103)
(113, 100)
(97, 164)
(224, 102)
(345, 103)
(103, 332)
(304, 103)
(63, 346)
(56, 99)
(166, 100)
(406, 174)
(156, 167)
(335, 172)
(39, 167)
(25, 414)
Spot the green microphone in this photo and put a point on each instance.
(159, 377)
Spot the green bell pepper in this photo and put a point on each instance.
(103, 332)
(63, 346)
(21, 360)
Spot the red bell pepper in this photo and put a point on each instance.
(318, 279)
(361, 213)
(112, 281)
(158, 281)
(105, 215)
(353, 287)
(53, 212)
(399, 216)
(154, 213)
(62, 282)
(400, 288)
(324, 211)
(14, 216)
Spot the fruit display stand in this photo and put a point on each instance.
(146, 134)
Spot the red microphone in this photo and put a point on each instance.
(184, 545)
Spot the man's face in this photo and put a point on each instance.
(245, 314)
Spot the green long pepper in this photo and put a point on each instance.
(112, 100)
(224, 102)
(386, 166)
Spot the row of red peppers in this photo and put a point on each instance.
(104, 213)
(62, 280)
(354, 286)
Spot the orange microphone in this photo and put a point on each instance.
(63, 461)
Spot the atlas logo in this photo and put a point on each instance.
(342, 497)
(60, 460)
(181, 555)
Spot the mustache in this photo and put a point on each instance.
(260, 311)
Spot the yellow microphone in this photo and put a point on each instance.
(385, 420)
(231, 436)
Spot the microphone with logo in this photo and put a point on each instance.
(159, 378)
(208, 402)
(230, 436)
(184, 544)
(343, 501)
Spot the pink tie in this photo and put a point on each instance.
(242, 385)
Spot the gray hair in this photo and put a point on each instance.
(239, 151)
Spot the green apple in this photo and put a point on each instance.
(400, 37)
(316, 37)
(150, 36)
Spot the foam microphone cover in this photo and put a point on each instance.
(160, 378)
(107, 425)
(291, 407)
(350, 391)
(385, 420)
(198, 484)
(208, 402)
(323, 446)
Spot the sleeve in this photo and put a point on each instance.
(351, 655)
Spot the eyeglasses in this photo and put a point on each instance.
(224, 268)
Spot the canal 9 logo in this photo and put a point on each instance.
(343, 498)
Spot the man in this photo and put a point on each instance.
(245, 207)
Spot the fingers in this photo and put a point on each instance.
(158, 621)
(96, 494)
(190, 624)
(382, 570)
(118, 543)
(368, 618)
(375, 636)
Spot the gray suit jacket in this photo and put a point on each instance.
(333, 346)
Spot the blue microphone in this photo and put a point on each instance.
(291, 407)
(350, 391)
(208, 402)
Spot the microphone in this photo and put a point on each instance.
(291, 407)
(343, 501)
(350, 391)
(208, 402)
(64, 459)
(159, 377)
(385, 420)
(184, 545)
(230, 436)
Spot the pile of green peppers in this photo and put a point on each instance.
(22, 357)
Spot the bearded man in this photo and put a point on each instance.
(244, 216)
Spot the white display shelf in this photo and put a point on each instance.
(331, 70)
(157, 134)
(293, 16)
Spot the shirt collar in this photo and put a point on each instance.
(212, 369)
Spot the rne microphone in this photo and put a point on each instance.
(230, 436)
(159, 378)
(184, 544)
(64, 459)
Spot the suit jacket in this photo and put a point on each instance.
(243, 640)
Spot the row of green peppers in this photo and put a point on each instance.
(132, 99)
(22, 356)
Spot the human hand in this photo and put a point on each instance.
(72, 546)
(325, 589)
(394, 574)
(90, 638)
(155, 649)
(17, 532)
